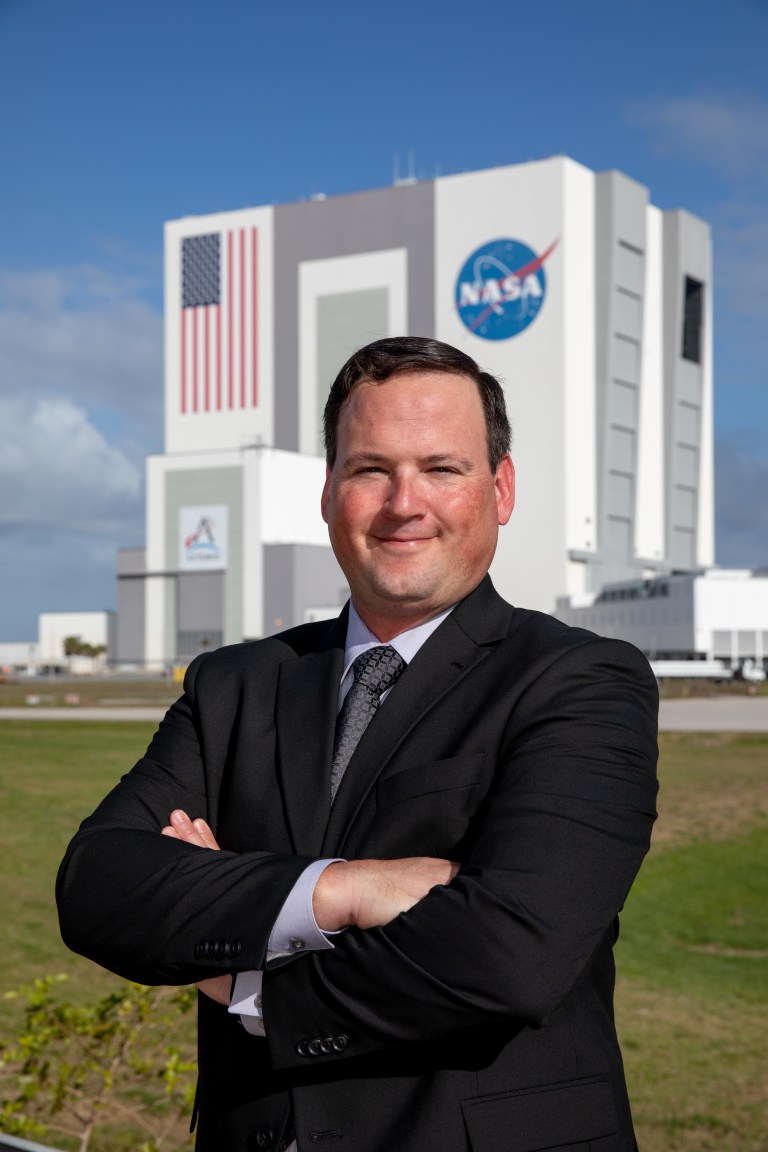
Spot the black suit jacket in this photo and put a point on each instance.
(482, 1018)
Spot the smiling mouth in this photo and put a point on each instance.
(403, 540)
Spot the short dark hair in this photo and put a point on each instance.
(398, 355)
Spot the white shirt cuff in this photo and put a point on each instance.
(295, 930)
(246, 1001)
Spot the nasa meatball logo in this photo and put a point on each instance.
(501, 289)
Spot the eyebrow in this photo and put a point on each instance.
(359, 458)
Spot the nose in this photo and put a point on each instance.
(405, 500)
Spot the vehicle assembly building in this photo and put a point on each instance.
(592, 306)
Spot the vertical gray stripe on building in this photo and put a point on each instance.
(380, 220)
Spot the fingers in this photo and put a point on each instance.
(204, 831)
(218, 988)
(195, 832)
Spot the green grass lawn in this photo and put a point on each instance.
(52, 775)
(692, 1001)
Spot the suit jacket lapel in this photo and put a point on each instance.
(305, 716)
(482, 619)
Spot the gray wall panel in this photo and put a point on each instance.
(685, 254)
(374, 221)
(628, 315)
(345, 321)
(624, 404)
(200, 601)
(687, 466)
(298, 577)
(129, 631)
(629, 267)
(625, 360)
(620, 232)
(207, 486)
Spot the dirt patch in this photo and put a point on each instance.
(729, 953)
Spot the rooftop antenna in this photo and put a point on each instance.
(410, 178)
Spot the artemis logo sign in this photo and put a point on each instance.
(203, 537)
(501, 288)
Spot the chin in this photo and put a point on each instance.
(404, 593)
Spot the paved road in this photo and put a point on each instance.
(716, 714)
(151, 715)
(712, 714)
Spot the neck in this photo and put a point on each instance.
(386, 628)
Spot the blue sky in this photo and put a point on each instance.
(116, 117)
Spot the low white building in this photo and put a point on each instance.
(715, 614)
(18, 656)
(95, 629)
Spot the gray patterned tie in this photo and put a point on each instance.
(374, 672)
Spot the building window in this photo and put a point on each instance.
(692, 319)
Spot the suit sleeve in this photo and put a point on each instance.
(550, 856)
(151, 908)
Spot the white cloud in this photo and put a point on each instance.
(85, 333)
(70, 499)
(80, 405)
(81, 393)
(57, 469)
(727, 132)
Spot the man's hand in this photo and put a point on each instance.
(190, 831)
(369, 893)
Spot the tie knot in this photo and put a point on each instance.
(377, 669)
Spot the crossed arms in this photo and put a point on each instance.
(546, 865)
(360, 893)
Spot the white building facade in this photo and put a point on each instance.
(718, 614)
(591, 305)
(93, 629)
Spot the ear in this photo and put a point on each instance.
(504, 481)
(325, 499)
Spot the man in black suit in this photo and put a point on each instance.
(475, 835)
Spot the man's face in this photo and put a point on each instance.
(411, 504)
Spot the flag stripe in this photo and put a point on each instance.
(230, 318)
(219, 328)
(194, 359)
(218, 359)
(242, 318)
(183, 360)
(255, 318)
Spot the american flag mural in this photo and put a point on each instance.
(219, 321)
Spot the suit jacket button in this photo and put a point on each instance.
(340, 1042)
(314, 1047)
(303, 1048)
(264, 1136)
(326, 1044)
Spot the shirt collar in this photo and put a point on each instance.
(360, 638)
